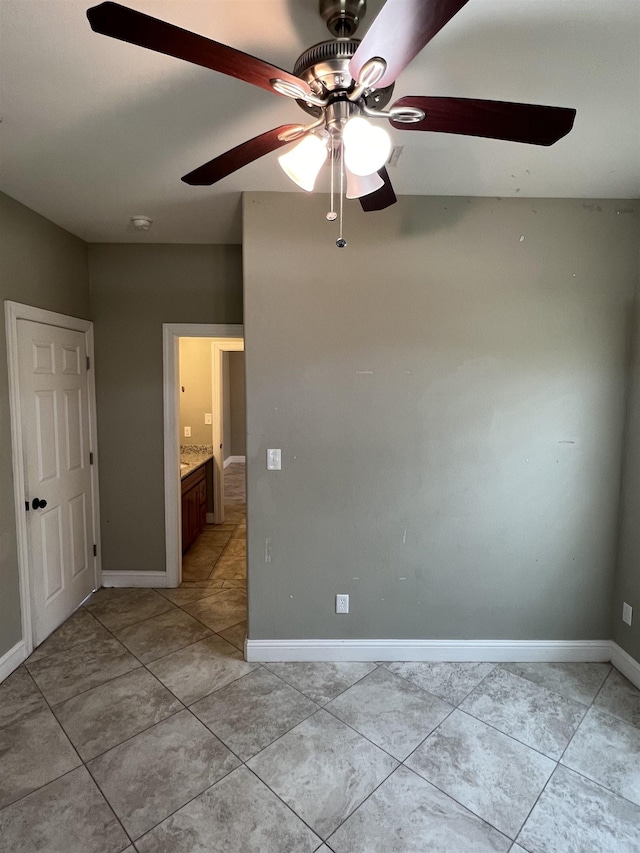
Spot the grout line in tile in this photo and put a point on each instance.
(138, 621)
(446, 793)
(67, 648)
(461, 804)
(600, 785)
(464, 805)
(550, 689)
(108, 802)
(131, 737)
(260, 751)
(557, 763)
(35, 790)
(284, 803)
(373, 743)
(106, 681)
(537, 800)
(425, 739)
(570, 741)
(190, 800)
(506, 734)
(186, 646)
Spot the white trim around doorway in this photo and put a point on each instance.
(15, 311)
(171, 332)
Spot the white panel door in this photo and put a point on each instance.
(55, 422)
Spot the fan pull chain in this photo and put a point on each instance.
(332, 215)
(341, 242)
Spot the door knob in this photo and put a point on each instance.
(36, 503)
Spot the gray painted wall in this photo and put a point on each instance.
(134, 290)
(627, 586)
(45, 266)
(237, 407)
(449, 394)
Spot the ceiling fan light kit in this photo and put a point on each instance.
(341, 83)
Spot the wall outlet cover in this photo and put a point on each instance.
(274, 459)
(187, 432)
(342, 603)
(627, 613)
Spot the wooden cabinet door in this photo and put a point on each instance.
(202, 506)
(194, 507)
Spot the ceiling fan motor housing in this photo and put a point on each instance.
(325, 68)
(342, 16)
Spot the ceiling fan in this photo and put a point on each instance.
(342, 83)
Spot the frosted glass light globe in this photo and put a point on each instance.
(361, 185)
(303, 162)
(366, 148)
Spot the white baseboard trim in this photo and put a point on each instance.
(231, 459)
(581, 651)
(627, 665)
(12, 659)
(143, 579)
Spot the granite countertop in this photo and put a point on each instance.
(192, 456)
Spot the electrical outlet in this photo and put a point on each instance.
(627, 612)
(342, 603)
(208, 419)
(274, 459)
(187, 432)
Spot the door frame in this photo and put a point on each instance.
(171, 333)
(217, 370)
(15, 311)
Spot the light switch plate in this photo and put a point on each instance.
(627, 613)
(274, 459)
(208, 419)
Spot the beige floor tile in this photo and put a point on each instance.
(109, 714)
(200, 669)
(69, 814)
(19, 696)
(82, 667)
(33, 751)
(159, 636)
(117, 608)
(156, 772)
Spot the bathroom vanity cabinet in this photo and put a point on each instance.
(194, 506)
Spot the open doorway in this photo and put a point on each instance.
(212, 457)
(220, 340)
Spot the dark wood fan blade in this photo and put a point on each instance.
(120, 22)
(240, 156)
(399, 33)
(384, 197)
(532, 123)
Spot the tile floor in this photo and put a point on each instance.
(138, 726)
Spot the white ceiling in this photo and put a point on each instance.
(94, 131)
